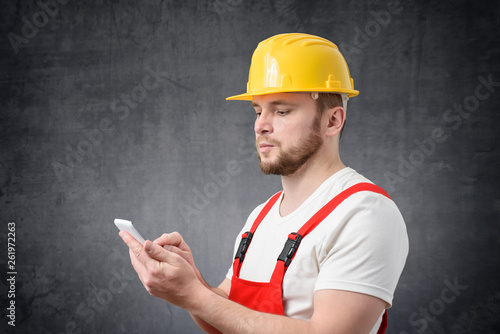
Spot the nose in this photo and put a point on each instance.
(263, 123)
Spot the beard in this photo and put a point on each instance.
(288, 162)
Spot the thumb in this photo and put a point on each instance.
(159, 253)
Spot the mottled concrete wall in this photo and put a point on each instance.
(116, 109)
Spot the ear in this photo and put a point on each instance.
(336, 119)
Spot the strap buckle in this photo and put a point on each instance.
(290, 248)
(242, 249)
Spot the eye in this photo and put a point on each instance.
(282, 112)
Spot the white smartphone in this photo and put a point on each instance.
(126, 225)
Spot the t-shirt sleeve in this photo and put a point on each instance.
(368, 252)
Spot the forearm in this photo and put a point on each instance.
(205, 326)
(228, 317)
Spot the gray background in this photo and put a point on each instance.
(162, 161)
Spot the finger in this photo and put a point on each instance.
(172, 239)
(137, 251)
(175, 250)
(134, 245)
(139, 267)
(181, 253)
(141, 270)
(129, 240)
(133, 249)
(161, 254)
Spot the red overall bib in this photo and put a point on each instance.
(267, 297)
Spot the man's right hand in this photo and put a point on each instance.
(173, 242)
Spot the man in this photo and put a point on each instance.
(322, 256)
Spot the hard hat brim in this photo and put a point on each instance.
(249, 96)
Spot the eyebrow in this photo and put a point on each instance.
(277, 102)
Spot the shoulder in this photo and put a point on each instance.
(364, 217)
(371, 214)
(356, 192)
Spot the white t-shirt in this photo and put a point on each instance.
(362, 246)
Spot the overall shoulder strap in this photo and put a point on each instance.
(246, 237)
(294, 239)
(265, 210)
(333, 203)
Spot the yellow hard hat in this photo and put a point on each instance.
(297, 63)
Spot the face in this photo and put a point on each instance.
(287, 130)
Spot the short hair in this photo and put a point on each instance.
(327, 101)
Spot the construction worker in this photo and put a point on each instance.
(323, 255)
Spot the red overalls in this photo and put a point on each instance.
(267, 297)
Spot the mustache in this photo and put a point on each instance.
(267, 141)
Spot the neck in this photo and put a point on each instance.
(302, 184)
